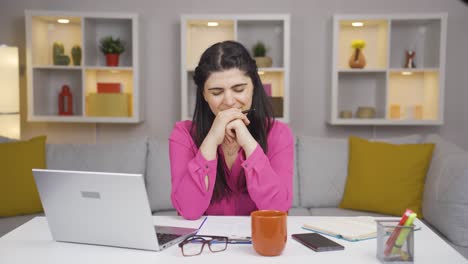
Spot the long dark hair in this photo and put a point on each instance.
(220, 57)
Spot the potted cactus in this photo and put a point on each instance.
(76, 55)
(58, 56)
(259, 52)
(112, 48)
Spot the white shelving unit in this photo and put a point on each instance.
(271, 29)
(45, 79)
(399, 95)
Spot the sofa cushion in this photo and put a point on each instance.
(322, 168)
(166, 212)
(386, 178)
(321, 164)
(5, 139)
(120, 157)
(8, 224)
(298, 211)
(18, 192)
(341, 212)
(158, 175)
(445, 203)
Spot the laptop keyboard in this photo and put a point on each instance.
(164, 238)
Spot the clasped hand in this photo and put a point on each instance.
(231, 126)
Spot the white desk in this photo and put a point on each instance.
(32, 243)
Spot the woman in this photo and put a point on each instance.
(227, 161)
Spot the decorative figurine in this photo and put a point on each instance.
(357, 60)
(410, 54)
(65, 101)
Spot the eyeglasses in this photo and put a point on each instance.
(193, 245)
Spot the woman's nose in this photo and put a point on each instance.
(228, 99)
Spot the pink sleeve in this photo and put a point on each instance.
(269, 177)
(188, 170)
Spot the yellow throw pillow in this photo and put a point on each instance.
(386, 178)
(18, 191)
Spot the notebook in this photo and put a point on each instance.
(348, 228)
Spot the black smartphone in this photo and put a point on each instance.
(317, 242)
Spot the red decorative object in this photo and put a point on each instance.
(112, 59)
(65, 101)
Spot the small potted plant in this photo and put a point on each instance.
(112, 48)
(259, 52)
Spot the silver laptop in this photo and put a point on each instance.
(110, 209)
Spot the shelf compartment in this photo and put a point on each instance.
(422, 36)
(122, 100)
(366, 89)
(98, 28)
(270, 32)
(45, 30)
(273, 83)
(200, 36)
(47, 86)
(414, 96)
(374, 33)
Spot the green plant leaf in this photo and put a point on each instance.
(109, 45)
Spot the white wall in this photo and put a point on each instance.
(310, 62)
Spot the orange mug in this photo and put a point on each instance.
(269, 232)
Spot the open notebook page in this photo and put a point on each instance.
(348, 228)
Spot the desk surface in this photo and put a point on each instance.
(32, 243)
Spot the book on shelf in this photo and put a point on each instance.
(348, 228)
(103, 87)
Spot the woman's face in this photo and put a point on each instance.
(228, 89)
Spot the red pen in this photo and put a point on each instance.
(391, 240)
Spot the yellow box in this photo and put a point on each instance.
(108, 104)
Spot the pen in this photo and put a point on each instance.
(240, 240)
(204, 220)
(248, 111)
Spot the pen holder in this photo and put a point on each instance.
(395, 243)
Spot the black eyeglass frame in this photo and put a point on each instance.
(204, 240)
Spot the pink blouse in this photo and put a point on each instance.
(260, 182)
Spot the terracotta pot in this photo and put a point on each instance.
(112, 59)
(357, 60)
(263, 62)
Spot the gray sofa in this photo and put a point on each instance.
(319, 180)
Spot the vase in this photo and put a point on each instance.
(263, 62)
(112, 59)
(357, 60)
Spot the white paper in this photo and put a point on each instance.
(233, 227)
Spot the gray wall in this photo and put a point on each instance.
(310, 62)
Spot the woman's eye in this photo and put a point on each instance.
(218, 93)
(240, 90)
